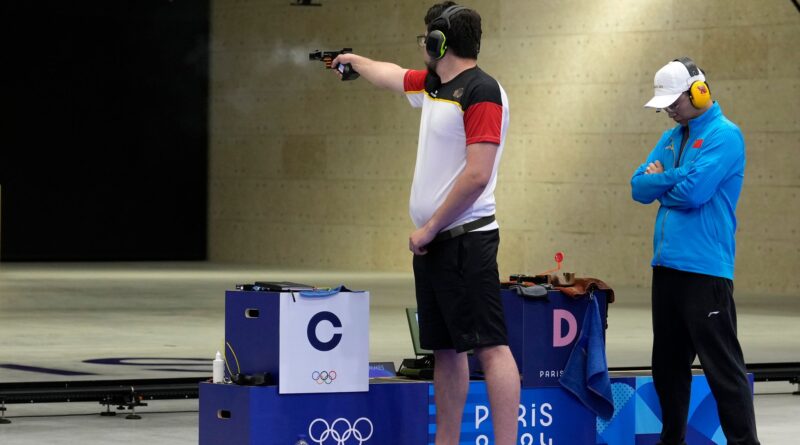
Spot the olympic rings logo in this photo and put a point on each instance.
(323, 377)
(340, 431)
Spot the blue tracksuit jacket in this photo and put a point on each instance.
(696, 222)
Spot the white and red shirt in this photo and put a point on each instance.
(469, 109)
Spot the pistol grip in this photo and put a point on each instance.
(348, 73)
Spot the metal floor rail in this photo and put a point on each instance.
(122, 393)
(132, 393)
(762, 372)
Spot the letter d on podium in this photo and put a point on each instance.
(559, 340)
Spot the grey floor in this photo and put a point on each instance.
(53, 317)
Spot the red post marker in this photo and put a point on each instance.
(559, 257)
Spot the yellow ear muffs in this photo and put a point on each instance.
(700, 94)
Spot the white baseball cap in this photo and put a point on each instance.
(670, 81)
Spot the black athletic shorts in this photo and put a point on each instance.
(458, 293)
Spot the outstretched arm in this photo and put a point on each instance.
(381, 74)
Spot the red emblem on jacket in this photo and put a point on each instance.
(698, 143)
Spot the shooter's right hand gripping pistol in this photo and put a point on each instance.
(346, 69)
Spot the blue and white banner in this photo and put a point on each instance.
(324, 343)
(703, 427)
(395, 414)
(546, 416)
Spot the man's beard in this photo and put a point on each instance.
(431, 65)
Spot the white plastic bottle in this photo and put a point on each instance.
(218, 369)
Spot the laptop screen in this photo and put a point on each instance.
(413, 326)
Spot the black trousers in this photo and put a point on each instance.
(694, 315)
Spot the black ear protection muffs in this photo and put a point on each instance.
(436, 41)
(699, 92)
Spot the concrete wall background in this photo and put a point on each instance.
(308, 171)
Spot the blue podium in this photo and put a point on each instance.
(390, 413)
(542, 332)
(402, 412)
(252, 330)
(302, 335)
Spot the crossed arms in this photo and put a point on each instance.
(692, 184)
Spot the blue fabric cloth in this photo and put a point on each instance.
(586, 372)
(698, 192)
(321, 293)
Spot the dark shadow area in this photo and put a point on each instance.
(104, 141)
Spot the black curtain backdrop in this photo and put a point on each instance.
(104, 140)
